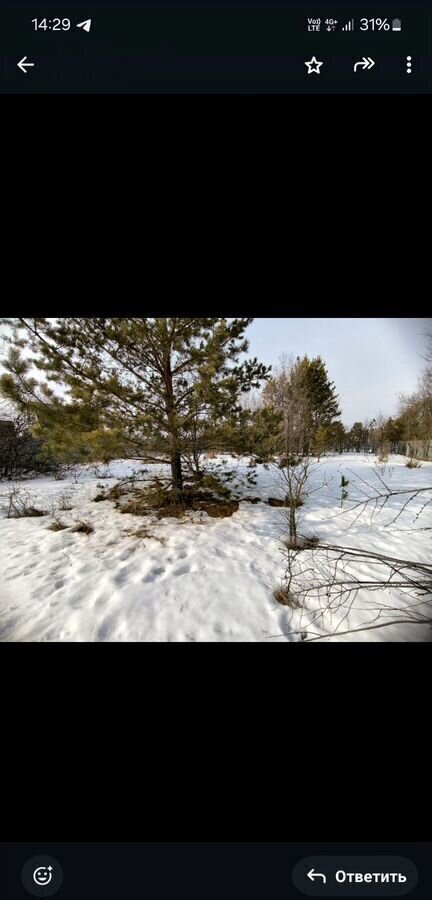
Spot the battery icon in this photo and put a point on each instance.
(396, 25)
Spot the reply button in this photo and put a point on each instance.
(355, 876)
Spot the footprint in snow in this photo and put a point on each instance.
(106, 629)
(182, 570)
(127, 553)
(123, 575)
(153, 575)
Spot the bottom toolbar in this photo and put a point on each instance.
(254, 870)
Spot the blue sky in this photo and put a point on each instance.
(371, 361)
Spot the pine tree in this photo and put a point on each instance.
(260, 435)
(393, 433)
(67, 433)
(358, 436)
(337, 436)
(303, 393)
(322, 398)
(150, 381)
(321, 440)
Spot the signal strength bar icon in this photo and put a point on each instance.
(349, 26)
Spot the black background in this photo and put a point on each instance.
(115, 743)
(313, 123)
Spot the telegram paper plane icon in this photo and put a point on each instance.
(85, 25)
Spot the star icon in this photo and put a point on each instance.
(313, 66)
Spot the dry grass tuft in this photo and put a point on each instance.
(302, 543)
(146, 534)
(57, 526)
(285, 598)
(296, 502)
(413, 464)
(219, 510)
(82, 528)
(170, 504)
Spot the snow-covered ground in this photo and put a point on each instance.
(198, 578)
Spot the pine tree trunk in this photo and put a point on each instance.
(176, 471)
(176, 467)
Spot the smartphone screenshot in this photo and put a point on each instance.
(215, 47)
(199, 480)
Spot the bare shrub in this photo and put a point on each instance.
(101, 471)
(64, 502)
(20, 452)
(20, 505)
(293, 481)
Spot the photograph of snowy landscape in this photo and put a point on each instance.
(215, 480)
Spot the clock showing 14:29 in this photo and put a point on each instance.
(51, 24)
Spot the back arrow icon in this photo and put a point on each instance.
(23, 65)
(312, 875)
(365, 63)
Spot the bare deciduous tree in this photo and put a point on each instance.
(287, 392)
(292, 477)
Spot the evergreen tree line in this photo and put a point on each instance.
(410, 432)
(307, 400)
(173, 390)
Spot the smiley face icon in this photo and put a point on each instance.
(43, 875)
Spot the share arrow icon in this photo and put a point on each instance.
(85, 25)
